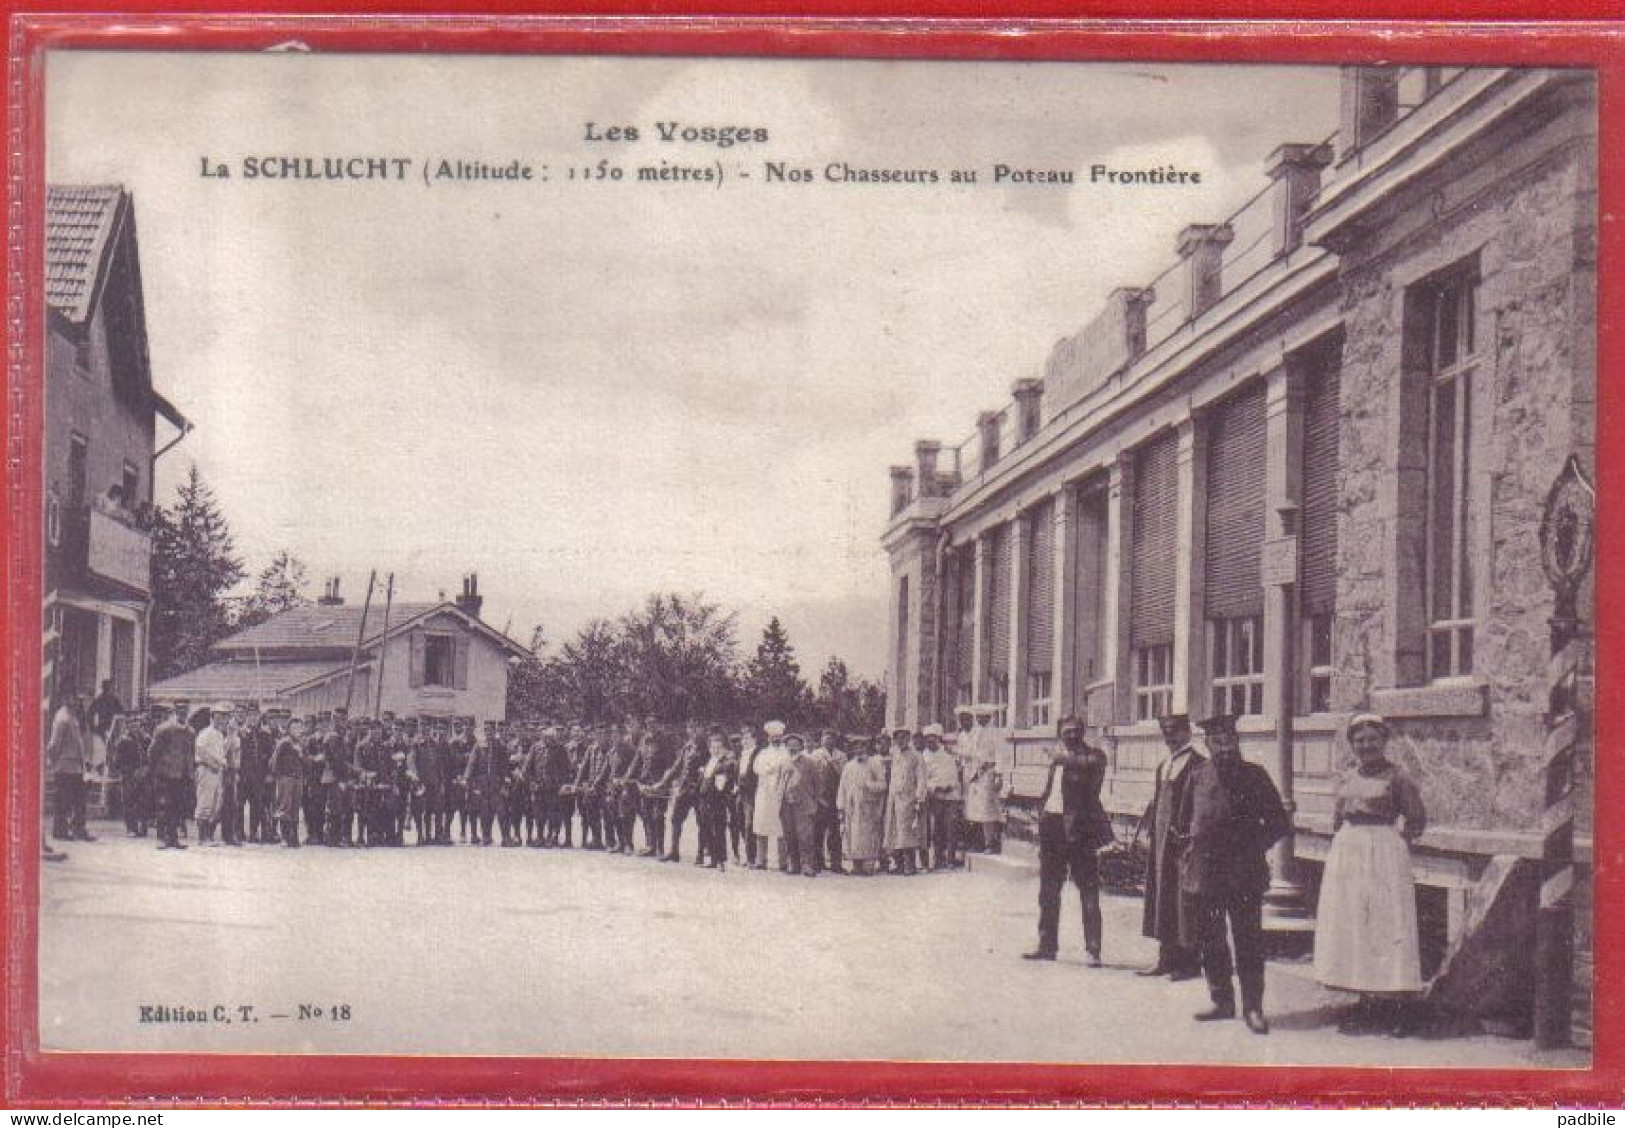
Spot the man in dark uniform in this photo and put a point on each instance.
(340, 778)
(657, 757)
(313, 796)
(743, 823)
(1229, 817)
(288, 774)
(482, 783)
(625, 761)
(171, 755)
(682, 783)
(515, 784)
(459, 742)
(129, 756)
(555, 774)
(718, 776)
(254, 776)
(585, 750)
(1164, 904)
(1072, 825)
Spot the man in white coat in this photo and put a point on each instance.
(767, 821)
(212, 759)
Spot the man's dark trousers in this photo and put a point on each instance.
(1058, 860)
(1244, 914)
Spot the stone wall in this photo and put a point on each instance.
(1528, 217)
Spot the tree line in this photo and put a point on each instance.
(675, 657)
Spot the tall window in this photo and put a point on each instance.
(1236, 664)
(1234, 589)
(1151, 604)
(1317, 584)
(1452, 358)
(1153, 681)
(439, 660)
(996, 656)
(1040, 609)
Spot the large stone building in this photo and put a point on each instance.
(411, 659)
(102, 417)
(1299, 474)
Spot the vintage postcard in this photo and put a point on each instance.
(828, 559)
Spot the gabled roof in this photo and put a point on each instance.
(79, 224)
(239, 681)
(321, 627)
(316, 626)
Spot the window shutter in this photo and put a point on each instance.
(1156, 500)
(1318, 530)
(967, 616)
(998, 603)
(1041, 589)
(417, 659)
(460, 672)
(1235, 507)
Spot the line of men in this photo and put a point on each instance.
(895, 802)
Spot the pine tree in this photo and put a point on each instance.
(773, 688)
(281, 585)
(194, 566)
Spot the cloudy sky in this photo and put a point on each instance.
(590, 391)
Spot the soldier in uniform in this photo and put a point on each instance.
(682, 783)
(254, 775)
(170, 756)
(798, 809)
(556, 773)
(742, 824)
(367, 761)
(715, 800)
(460, 753)
(129, 754)
(1163, 902)
(588, 801)
(340, 778)
(830, 761)
(1229, 817)
(656, 757)
(625, 760)
(288, 776)
(313, 749)
(482, 783)
(1072, 826)
(515, 790)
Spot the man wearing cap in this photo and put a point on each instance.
(715, 799)
(339, 776)
(945, 794)
(1230, 816)
(984, 783)
(210, 748)
(253, 776)
(1072, 825)
(744, 816)
(799, 811)
(128, 753)
(905, 804)
(1164, 905)
(67, 756)
(682, 782)
(288, 779)
(313, 796)
(170, 755)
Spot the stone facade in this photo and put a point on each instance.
(1479, 193)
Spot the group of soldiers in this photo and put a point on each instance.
(893, 802)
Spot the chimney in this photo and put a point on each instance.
(330, 594)
(902, 488)
(1029, 393)
(1295, 169)
(1132, 301)
(1202, 246)
(470, 601)
(1370, 107)
(925, 467)
(988, 424)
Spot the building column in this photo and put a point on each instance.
(1283, 498)
(104, 649)
(1119, 648)
(1063, 700)
(1190, 570)
(1019, 597)
(978, 625)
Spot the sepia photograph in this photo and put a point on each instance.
(817, 559)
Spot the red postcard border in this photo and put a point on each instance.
(1567, 32)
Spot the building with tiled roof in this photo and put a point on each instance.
(410, 659)
(104, 423)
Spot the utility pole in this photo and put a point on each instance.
(360, 636)
(383, 648)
